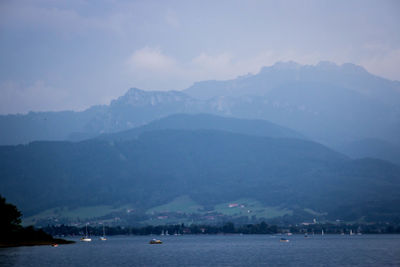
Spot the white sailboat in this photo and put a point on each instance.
(322, 232)
(86, 238)
(103, 238)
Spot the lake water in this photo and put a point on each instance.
(214, 250)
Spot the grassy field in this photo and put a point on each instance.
(315, 213)
(181, 209)
(82, 213)
(182, 204)
(250, 207)
(237, 208)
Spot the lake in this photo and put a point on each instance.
(214, 250)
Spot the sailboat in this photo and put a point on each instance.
(86, 238)
(103, 238)
(322, 232)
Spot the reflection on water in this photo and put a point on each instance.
(221, 250)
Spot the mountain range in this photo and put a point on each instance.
(198, 171)
(290, 143)
(339, 106)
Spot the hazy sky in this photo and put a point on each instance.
(57, 55)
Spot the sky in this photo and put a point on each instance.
(72, 54)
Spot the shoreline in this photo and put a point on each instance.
(31, 243)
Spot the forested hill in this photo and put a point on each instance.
(210, 122)
(209, 166)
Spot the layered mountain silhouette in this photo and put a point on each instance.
(210, 160)
(308, 141)
(331, 104)
(207, 122)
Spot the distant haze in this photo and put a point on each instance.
(69, 55)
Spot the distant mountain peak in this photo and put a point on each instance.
(139, 97)
(326, 65)
(322, 65)
(133, 91)
(353, 68)
(281, 65)
(286, 65)
(346, 67)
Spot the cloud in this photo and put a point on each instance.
(20, 98)
(213, 65)
(65, 21)
(154, 64)
(151, 60)
(381, 60)
(150, 68)
(227, 66)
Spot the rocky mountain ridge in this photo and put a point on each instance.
(332, 104)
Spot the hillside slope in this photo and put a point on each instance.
(211, 167)
(210, 122)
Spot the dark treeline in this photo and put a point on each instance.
(227, 228)
(13, 234)
(11, 231)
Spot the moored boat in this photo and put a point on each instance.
(103, 238)
(86, 238)
(155, 241)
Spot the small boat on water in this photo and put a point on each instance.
(86, 238)
(103, 238)
(54, 245)
(155, 241)
(284, 240)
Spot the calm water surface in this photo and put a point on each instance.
(211, 250)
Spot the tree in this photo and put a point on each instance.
(228, 227)
(263, 228)
(10, 217)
